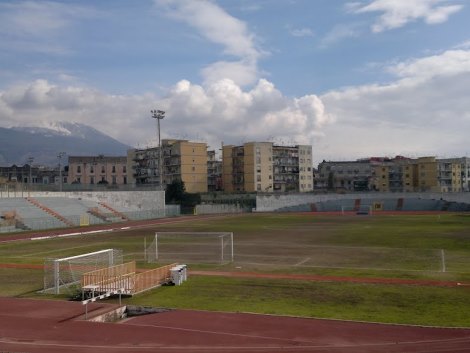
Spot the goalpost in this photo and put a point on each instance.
(191, 247)
(363, 209)
(66, 272)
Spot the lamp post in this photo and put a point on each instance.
(59, 157)
(30, 162)
(159, 115)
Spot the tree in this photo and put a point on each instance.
(175, 192)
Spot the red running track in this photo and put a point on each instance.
(37, 326)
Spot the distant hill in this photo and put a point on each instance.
(17, 144)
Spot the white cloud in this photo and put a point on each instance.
(38, 26)
(220, 111)
(463, 45)
(219, 27)
(425, 111)
(340, 32)
(448, 63)
(397, 13)
(301, 32)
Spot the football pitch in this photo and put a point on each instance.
(422, 247)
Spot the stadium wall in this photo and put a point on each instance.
(218, 208)
(132, 200)
(273, 202)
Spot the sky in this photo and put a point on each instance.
(354, 79)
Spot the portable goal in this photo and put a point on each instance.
(361, 210)
(67, 272)
(191, 247)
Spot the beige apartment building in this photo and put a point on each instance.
(182, 160)
(264, 167)
(90, 170)
(401, 174)
(393, 175)
(450, 175)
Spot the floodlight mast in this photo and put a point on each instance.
(59, 157)
(30, 161)
(159, 115)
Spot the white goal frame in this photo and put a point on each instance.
(153, 252)
(353, 209)
(89, 261)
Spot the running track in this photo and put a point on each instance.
(38, 326)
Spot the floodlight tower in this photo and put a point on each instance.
(30, 162)
(159, 115)
(59, 157)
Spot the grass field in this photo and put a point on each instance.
(401, 246)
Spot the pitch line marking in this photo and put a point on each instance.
(303, 261)
(224, 333)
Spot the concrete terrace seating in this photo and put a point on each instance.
(31, 216)
(70, 208)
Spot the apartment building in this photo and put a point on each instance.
(398, 174)
(265, 167)
(344, 175)
(214, 172)
(392, 175)
(89, 170)
(30, 174)
(181, 160)
(450, 174)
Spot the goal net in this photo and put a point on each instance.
(361, 210)
(67, 272)
(191, 247)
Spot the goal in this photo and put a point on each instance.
(66, 272)
(361, 210)
(191, 247)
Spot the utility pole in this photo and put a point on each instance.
(59, 157)
(159, 115)
(30, 162)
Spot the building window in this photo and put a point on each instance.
(114, 169)
(258, 187)
(124, 169)
(124, 180)
(91, 169)
(258, 178)
(102, 169)
(79, 169)
(92, 180)
(114, 179)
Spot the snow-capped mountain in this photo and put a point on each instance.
(45, 143)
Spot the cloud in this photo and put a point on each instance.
(340, 32)
(424, 111)
(220, 111)
(463, 45)
(217, 26)
(398, 13)
(448, 63)
(301, 32)
(38, 26)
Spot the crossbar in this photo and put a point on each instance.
(83, 255)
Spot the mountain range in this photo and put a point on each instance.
(18, 144)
